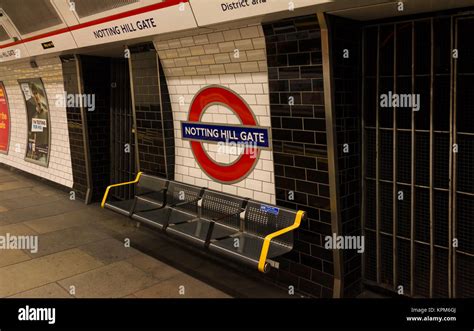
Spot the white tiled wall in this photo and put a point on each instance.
(50, 71)
(192, 63)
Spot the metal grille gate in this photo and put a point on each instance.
(122, 140)
(418, 191)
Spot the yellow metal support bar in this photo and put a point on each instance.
(268, 239)
(115, 185)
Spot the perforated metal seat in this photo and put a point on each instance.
(247, 248)
(150, 193)
(223, 208)
(219, 216)
(181, 206)
(124, 207)
(260, 221)
(152, 188)
(238, 228)
(199, 231)
(162, 217)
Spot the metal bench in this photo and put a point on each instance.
(181, 205)
(219, 216)
(149, 194)
(237, 228)
(267, 233)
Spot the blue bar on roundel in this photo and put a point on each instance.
(256, 136)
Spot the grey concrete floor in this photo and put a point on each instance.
(82, 253)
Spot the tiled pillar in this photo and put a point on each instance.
(234, 59)
(300, 149)
(154, 121)
(346, 56)
(77, 125)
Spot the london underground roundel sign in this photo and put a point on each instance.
(248, 135)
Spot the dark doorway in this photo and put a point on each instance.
(122, 139)
(109, 124)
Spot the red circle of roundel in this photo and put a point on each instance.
(240, 168)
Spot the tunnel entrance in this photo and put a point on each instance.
(110, 125)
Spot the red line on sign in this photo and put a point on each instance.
(239, 169)
(161, 5)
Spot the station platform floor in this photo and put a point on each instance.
(81, 253)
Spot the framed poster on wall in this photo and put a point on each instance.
(38, 122)
(4, 121)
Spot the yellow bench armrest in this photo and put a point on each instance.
(268, 239)
(120, 184)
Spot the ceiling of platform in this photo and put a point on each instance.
(68, 25)
(28, 16)
(393, 9)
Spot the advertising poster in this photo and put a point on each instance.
(37, 110)
(4, 120)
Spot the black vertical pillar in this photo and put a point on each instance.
(300, 149)
(77, 128)
(345, 44)
(154, 120)
(96, 80)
